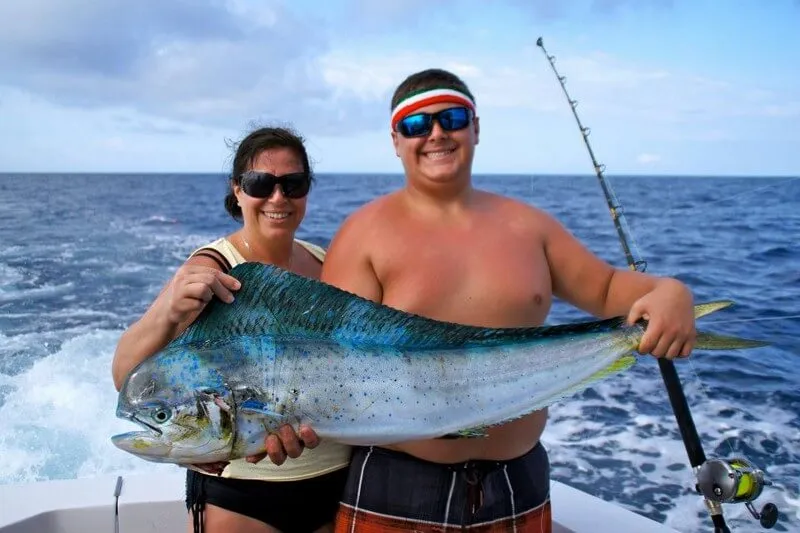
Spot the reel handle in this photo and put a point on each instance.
(735, 480)
(768, 516)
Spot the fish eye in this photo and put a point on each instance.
(162, 415)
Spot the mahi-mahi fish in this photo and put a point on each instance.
(295, 350)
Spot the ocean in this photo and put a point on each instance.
(83, 255)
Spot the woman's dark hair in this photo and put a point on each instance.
(251, 146)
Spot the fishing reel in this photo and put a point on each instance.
(736, 480)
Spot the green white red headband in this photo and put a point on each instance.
(426, 97)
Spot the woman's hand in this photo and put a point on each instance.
(192, 288)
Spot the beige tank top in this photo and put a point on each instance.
(325, 458)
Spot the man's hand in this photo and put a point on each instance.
(669, 310)
(286, 443)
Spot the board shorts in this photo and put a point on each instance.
(390, 491)
(291, 506)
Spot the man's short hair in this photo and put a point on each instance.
(433, 78)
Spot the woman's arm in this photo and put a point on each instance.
(174, 309)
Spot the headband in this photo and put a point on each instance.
(426, 97)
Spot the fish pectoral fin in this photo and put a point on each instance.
(255, 407)
(468, 433)
(715, 341)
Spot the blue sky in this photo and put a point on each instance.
(666, 86)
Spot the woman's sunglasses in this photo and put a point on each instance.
(262, 184)
(421, 124)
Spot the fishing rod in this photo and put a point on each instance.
(719, 481)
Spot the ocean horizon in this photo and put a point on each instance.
(400, 174)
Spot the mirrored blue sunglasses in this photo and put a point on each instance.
(421, 124)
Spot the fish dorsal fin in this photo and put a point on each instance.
(273, 301)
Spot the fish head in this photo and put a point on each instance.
(187, 417)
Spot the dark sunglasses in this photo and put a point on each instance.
(262, 184)
(421, 124)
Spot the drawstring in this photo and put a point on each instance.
(197, 490)
(474, 479)
(473, 501)
(198, 517)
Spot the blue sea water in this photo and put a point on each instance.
(84, 255)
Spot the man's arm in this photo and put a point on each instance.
(348, 263)
(583, 279)
(586, 281)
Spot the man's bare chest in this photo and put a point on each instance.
(499, 283)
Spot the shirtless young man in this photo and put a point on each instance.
(440, 248)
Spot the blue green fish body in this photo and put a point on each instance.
(295, 350)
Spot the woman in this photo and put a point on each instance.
(269, 185)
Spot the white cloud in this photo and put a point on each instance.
(785, 110)
(604, 86)
(374, 76)
(209, 62)
(648, 159)
(113, 143)
(409, 13)
(375, 15)
(223, 63)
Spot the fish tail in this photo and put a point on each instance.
(715, 341)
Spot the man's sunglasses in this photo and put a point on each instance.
(262, 184)
(421, 124)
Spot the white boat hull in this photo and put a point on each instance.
(154, 503)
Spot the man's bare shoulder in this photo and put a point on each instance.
(517, 212)
(366, 222)
(349, 262)
(378, 208)
(371, 215)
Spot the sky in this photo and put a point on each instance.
(687, 87)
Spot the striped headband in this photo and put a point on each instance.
(426, 97)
